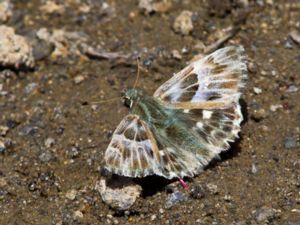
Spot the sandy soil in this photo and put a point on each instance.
(53, 136)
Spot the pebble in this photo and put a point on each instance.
(183, 24)
(265, 214)
(259, 115)
(79, 79)
(2, 147)
(288, 44)
(27, 130)
(153, 217)
(176, 54)
(291, 142)
(257, 90)
(45, 157)
(73, 152)
(122, 196)
(197, 192)
(4, 130)
(15, 50)
(49, 142)
(51, 7)
(252, 67)
(32, 186)
(150, 6)
(254, 169)
(71, 194)
(295, 36)
(30, 88)
(175, 198)
(78, 214)
(6, 10)
(212, 188)
(274, 108)
(292, 89)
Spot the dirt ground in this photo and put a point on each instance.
(54, 136)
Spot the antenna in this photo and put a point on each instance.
(107, 100)
(138, 72)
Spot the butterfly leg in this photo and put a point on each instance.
(183, 184)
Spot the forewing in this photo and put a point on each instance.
(133, 150)
(209, 83)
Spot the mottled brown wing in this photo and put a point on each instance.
(209, 83)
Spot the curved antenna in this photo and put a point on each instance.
(138, 72)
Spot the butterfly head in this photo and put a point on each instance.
(130, 96)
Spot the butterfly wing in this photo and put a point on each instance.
(212, 82)
(133, 150)
(206, 94)
(136, 151)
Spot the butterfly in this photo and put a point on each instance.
(188, 121)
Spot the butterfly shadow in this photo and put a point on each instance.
(152, 184)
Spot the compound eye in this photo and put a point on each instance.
(128, 102)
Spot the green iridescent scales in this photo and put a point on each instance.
(189, 120)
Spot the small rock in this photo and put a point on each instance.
(15, 50)
(228, 198)
(6, 10)
(123, 194)
(78, 214)
(274, 108)
(51, 7)
(288, 44)
(41, 49)
(265, 214)
(32, 186)
(183, 23)
(259, 115)
(64, 42)
(30, 88)
(291, 142)
(153, 217)
(71, 194)
(49, 142)
(292, 88)
(176, 55)
(2, 147)
(295, 35)
(254, 169)
(252, 67)
(212, 188)
(4, 130)
(27, 130)
(150, 6)
(175, 198)
(197, 192)
(74, 152)
(257, 90)
(78, 79)
(45, 157)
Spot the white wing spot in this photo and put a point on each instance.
(199, 124)
(186, 111)
(161, 153)
(206, 114)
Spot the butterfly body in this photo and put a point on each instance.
(186, 123)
